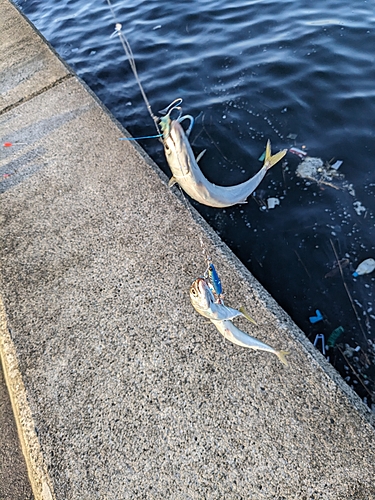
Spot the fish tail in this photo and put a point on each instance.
(281, 355)
(270, 161)
(245, 313)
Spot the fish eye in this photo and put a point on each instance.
(194, 292)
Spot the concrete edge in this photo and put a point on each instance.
(41, 36)
(40, 481)
(70, 72)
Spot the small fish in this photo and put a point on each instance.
(204, 303)
(186, 172)
(220, 315)
(237, 336)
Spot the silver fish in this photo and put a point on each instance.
(237, 336)
(203, 302)
(186, 172)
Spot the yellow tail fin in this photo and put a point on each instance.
(281, 355)
(244, 312)
(270, 161)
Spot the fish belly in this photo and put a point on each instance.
(207, 193)
(238, 337)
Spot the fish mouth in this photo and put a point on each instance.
(197, 288)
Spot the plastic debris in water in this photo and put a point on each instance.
(358, 207)
(349, 350)
(310, 168)
(318, 317)
(365, 267)
(337, 164)
(298, 152)
(262, 156)
(334, 336)
(272, 202)
(320, 337)
(293, 137)
(314, 169)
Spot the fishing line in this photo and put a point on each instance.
(203, 246)
(129, 54)
(174, 105)
(138, 138)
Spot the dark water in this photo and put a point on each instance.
(253, 70)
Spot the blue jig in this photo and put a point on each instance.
(214, 277)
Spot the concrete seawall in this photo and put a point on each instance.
(119, 389)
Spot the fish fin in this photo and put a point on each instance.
(281, 355)
(267, 154)
(246, 315)
(200, 155)
(276, 158)
(172, 182)
(270, 161)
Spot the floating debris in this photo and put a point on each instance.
(315, 170)
(358, 207)
(337, 164)
(298, 152)
(318, 317)
(334, 336)
(320, 337)
(349, 351)
(365, 267)
(262, 156)
(272, 202)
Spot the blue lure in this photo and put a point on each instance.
(215, 280)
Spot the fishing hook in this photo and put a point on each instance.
(191, 119)
(172, 105)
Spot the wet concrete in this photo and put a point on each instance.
(120, 389)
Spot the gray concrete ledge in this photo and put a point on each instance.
(119, 388)
(27, 63)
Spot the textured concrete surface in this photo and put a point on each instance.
(26, 62)
(122, 391)
(14, 483)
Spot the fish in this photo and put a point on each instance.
(220, 315)
(204, 303)
(229, 331)
(186, 172)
